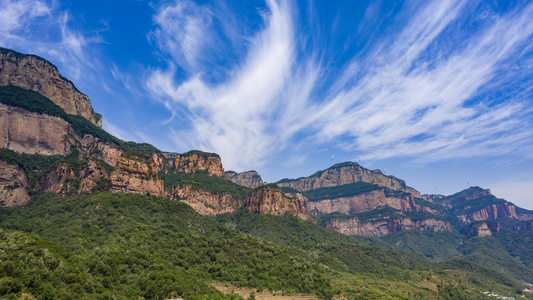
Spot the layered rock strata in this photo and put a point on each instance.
(198, 161)
(34, 73)
(136, 175)
(352, 226)
(270, 200)
(250, 179)
(13, 184)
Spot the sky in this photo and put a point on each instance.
(438, 93)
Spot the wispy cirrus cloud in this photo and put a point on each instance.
(39, 27)
(415, 93)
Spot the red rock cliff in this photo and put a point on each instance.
(13, 184)
(136, 175)
(270, 200)
(194, 161)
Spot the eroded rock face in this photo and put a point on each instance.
(250, 179)
(57, 179)
(352, 226)
(136, 175)
(365, 202)
(193, 162)
(203, 202)
(34, 133)
(90, 176)
(36, 74)
(347, 173)
(13, 184)
(484, 229)
(269, 200)
(490, 212)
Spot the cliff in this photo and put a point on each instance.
(34, 73)
(352, 226)
(137, 175)
(365, 202)
(13, 184)
(250, 179)
(484, 229)
(270, 200)
(194, 161)
(35, 133)
(63, 179)
(490, 212)
(346, 173)
(203, 202)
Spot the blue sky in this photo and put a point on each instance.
(438, 93)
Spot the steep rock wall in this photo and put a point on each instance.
(269, 200)
(34, 133)
(136, 175)
(13, 184)
(365, 202)
(490, 212)
(203, 202)
(352, 226)
(36, 74)
(190, 163)
(250, 179)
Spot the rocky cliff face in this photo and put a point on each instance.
(34, 133)
(199, 161)
(484, 229)
(13, 184)
(203, 202)
(136, 175)
(36, 74)
(365, 202)
(270, 200)
(493, 211)
(352, 226)
(63, 180)
(346, 173)
(250, 179)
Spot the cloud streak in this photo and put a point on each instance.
(415, 94)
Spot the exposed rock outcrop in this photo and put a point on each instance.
(34, 73)
(270, 200)
(250, 179)
(352, 226)
(34, 133)
(346, 173)
(484, 229)
(13, 184)
(203, 202)
(490, 212)
(137, 175)
(195, 161)
(365, 202)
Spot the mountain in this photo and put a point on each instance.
(34, 73)
(86, 215)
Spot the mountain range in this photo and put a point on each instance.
(85, 215)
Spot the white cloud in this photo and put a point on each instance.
(403, 98)
(14, 14)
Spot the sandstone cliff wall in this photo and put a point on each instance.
(203, 202)
(13, 184)
(34, 133)
(365, 202)
(136, 175)
(190, 163)
(268, 200)
(250, 179)
(352, 226)
(347, 173)
(490, 212)
(36, 74)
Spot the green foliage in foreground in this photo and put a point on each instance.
(213, 184)
(136, 245)
(35, 102)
